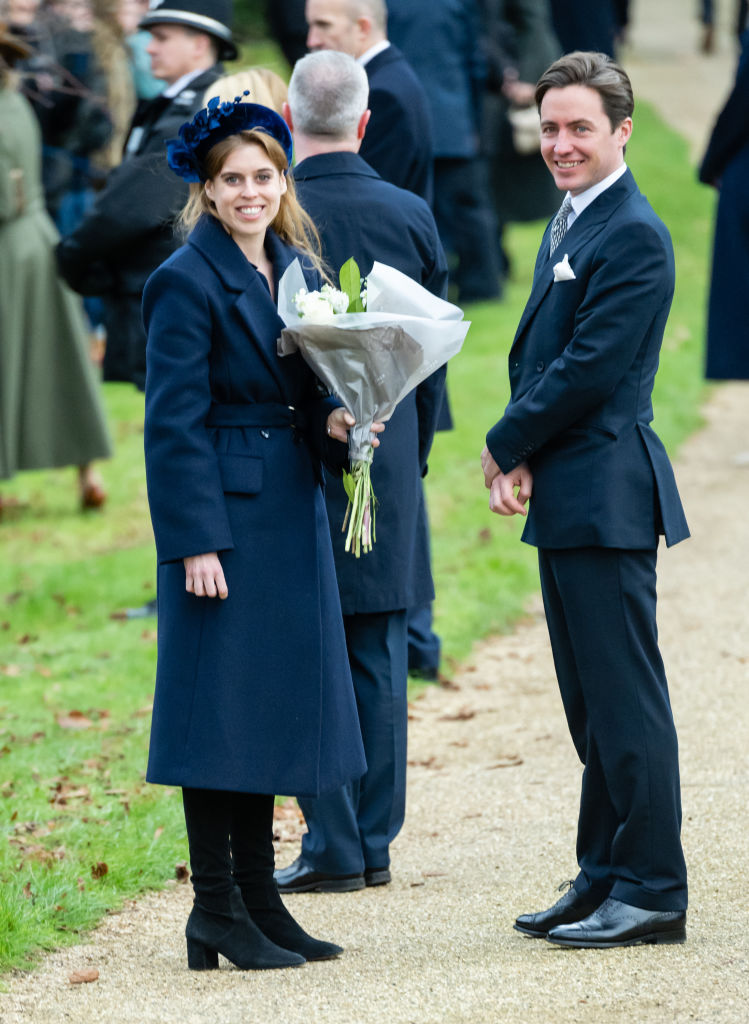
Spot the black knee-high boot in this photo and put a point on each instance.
(219, 922)
(252, 866)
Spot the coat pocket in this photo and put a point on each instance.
(240, 474)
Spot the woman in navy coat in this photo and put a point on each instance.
(253, 690)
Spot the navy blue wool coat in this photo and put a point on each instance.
(253, 693)
(582, 368)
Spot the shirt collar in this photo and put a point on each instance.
(583, 200)
(372, 52)
(176, 87)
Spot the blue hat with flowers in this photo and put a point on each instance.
(216, 122)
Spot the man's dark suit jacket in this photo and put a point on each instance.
(398, 143)
(360, 215)
(582, 368)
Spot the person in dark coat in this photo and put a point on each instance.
(442, 44)
(398, 143)
(129, 230)
(288, 27)
(725, 165)
(520, 44)
(253, 690)
(361, 216)
(576, 440)
(586, 24)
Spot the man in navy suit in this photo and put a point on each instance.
(361, 216)
(398, 143)
(575, 440)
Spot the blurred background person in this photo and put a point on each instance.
(129, 230)
(288, 26)
(50, 411)
(398, 143)
(520, 44)
(441, 43)
(586, 24)
(130, 13)
(725, 166)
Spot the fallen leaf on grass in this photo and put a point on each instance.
(84, 976)
(159, 831)
(99, 869)
(74, 720)
(10, 670)
(181, 871)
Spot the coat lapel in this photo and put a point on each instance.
(590, 222)
(254, 304)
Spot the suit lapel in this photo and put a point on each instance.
(254, 304)
(590, 222)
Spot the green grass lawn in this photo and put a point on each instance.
(79, 829)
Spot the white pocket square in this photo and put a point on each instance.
(563, 271)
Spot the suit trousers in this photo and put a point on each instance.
(351, 828)
(600, 608)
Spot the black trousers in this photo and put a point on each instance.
(600, 608)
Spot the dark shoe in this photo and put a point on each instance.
(377, 876)
(573, 906)
(267, 911)
(298, 877)
(93, 495)
(144, 611)
(235, 936)
(618, 924)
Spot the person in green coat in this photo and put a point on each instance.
(50, 409)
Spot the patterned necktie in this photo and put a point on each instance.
(559, 225)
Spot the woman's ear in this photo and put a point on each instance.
(208, 188)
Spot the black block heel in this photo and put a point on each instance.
(230, 931)
(200, 957)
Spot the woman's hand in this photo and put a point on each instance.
(204, 576)
(339, 422)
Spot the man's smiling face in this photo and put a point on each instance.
(577, 141)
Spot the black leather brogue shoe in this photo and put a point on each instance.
(573, 906)
(618, 924)
(300, 877)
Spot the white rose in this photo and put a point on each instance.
(315, 308)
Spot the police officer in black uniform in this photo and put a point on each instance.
(129, 230)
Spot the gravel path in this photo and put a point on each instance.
(493, 789)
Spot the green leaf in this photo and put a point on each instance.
(350, 282)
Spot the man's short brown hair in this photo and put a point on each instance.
(596, 71)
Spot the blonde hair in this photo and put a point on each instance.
(265, 87)
(292, 224)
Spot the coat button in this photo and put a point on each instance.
(540, 366)
(265, 433)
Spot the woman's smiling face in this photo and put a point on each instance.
(247, 192)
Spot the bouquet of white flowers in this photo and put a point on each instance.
(371, 346)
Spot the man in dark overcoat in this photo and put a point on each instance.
(361, 216)
(398, 142)
(576, 440)
(129, 230)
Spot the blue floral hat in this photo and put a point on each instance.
(216, 122)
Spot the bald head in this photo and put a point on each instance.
(351, 26)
